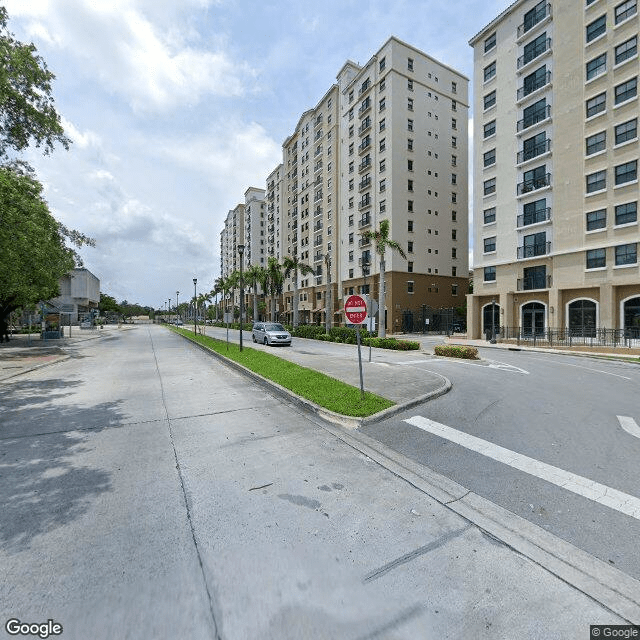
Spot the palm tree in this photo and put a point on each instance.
(272, 282)
(382, 242)
(217, 289)
(293, 266)
(233, 281)
(253, 277)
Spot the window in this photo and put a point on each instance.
(410, 104)
(351, 257)
(489, 100)
(489, 129)
(383, 144)
(489, 215)
(533, 16)
(626, 90)
(382, 124)
(454, 178)
(383, 184)
(409, 286)
(410, 86)
(409, 205)
(409, 64)
(382, 64)
(625, 10)
(454, 161)
(534, 81)
(410, 267)
(597, 27)
(627, 131)
(596, 142)
(596, 219)
(533, 49)
(409, 165)
(454, 197)
(489, 71)
(627, 172)
(597, 181)
(454, 88)
(627, 254)
(351, 238)
(454, 255)
(454, 105)
(489, 274)
(533, 212)
(490, 244)
(597, 66)
(454, 234)
(534, 278)
(410, 226)
(596, 105)
(454, 215)
(454, 142)
(533, 147)
(489, 157)
(454, 123)
(537, 112)
(410, 125)
(489, 42)
(596, 259)
(410, 185)
(627, 213)
(409, 144)
(626, 50)
(409, 247)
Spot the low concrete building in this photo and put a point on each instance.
(79, 294)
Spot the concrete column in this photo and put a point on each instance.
(555, 319)
(473, 317)
(608, 314)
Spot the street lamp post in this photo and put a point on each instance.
(195, 308)
(177, 313)
(241, 252)
(493, 321)
(169, 310)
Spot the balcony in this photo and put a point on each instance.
(533, 18)
(364, 202)
(317, 242)
(542, 215)
(317, 181)
(534, 282)
(364, 242)
(317, 211)
(318, 257)
(318, 135)
(366, 85)
(318, 225)
(318, 121)
(529, 87)
(529, 56)
(364, 145)
(537, 116)
(535, 183)
(533, 250)
(364, 183)
(365, 221)
(534, 152)
(366, 105)
(365, 164)
(318, 196)
(271, 228)
(365, 126)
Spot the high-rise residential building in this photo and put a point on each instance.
(556, 168)
(255, 246)
(403, 128)
(388, 141)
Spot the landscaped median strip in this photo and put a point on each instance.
(326, 392)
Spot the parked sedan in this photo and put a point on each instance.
(270, 333)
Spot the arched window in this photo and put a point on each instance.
(632, 317)
(491, 320)
(533, 314)
(582, 318)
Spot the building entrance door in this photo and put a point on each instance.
(533, 319)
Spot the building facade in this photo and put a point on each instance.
(555, 168)
(79, 294)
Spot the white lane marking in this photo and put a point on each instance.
(600, 493)
(495, 364)
(629, 425)
(566, 364)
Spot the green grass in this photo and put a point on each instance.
(317, 387)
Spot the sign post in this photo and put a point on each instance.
(355, 311)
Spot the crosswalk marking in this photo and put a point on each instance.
(600, 493)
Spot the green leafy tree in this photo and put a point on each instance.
(272, 280)
(293, 266)
(108, 304)
(253, 277)
(382, 241)
(27, 112)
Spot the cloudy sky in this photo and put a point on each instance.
(175, 107)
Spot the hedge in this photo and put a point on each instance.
(453, 351)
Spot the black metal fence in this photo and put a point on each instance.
(427, 319)
(576, 337)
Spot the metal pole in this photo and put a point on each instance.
(177, 314)
(195, 308)
(365, 271)
(493, 321)
(241, 252)
(360, 361)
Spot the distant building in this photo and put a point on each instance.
(79, 294)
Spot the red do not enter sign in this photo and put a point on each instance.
(355, 309)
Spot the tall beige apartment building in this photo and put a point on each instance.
(556, 168)
(387, 141)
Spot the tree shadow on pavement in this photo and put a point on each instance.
(42, 487)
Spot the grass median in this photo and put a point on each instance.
(323, 390)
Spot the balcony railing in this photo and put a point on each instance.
(534, 282)
(534, 18)
(364, 183)
(365, 202)
(365, 164)
(365, 107)
(364, 145)
(365, 87)
(318, 225)
(537, 116)
(365, 126)
(542, 215)
(364, 242)
(534, 152)
(365, 221)
(533, 250)
(538, 83)
(527, 57)
(318, 242)
(535, 183)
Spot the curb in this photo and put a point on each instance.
(346, 422)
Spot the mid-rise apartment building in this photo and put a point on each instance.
(231, 236)
(388, 141)
(254, 226)
(556, 168)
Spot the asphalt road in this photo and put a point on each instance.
(148, 491)
(560, 410)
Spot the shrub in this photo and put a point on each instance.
(452, 351)
(392, 343)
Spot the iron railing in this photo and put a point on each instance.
(571, 336)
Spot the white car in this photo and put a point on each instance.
(270, 333)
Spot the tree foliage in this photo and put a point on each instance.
(27, 112)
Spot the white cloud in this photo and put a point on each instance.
(151, 65)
